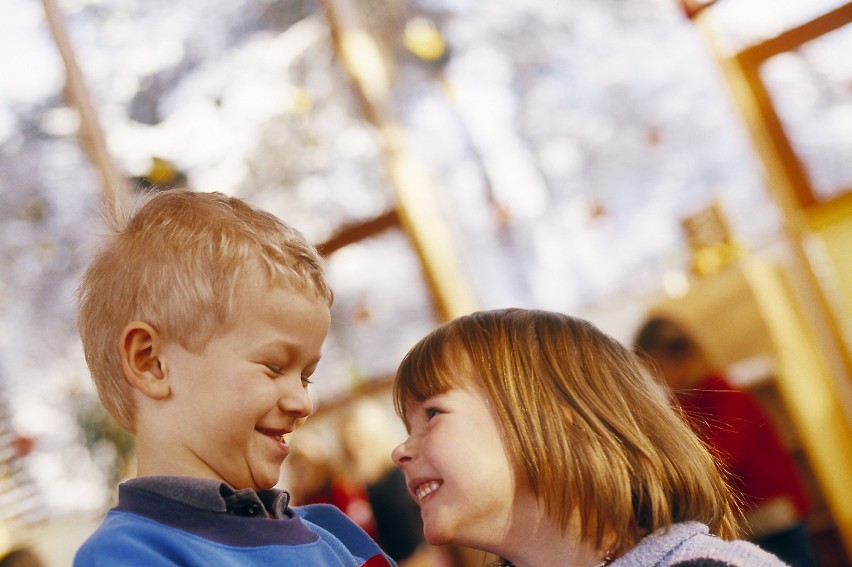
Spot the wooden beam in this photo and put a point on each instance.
(359, 231)
(801, 349)
(116, 189)
(807, 385)
(787, 181)
(416, 203)
(793, 38)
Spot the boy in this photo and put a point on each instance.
(202, 320)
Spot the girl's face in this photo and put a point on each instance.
(458, 470)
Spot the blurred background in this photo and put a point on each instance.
(604, 158)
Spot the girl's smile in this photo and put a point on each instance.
(451, 435)
(426, 488)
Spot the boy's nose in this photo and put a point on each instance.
(296, 400)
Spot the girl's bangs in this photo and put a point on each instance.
(425, 371)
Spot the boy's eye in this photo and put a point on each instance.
(306, 379)
(274, 369)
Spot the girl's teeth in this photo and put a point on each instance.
(427, 488)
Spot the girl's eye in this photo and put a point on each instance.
(274, 369)
(307, 380)
(432, 412)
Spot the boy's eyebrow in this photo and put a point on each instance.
(283, 344)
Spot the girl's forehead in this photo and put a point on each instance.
(456, 359)
(450, 373)
(432, 368)
(454, 369)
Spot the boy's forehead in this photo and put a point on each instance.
(257, 286)
(304, 286)
(287, 273)
(275, 303)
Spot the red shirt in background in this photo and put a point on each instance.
(351, 498)
(732, 423)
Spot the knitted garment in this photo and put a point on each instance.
(165, 522)
(690, 544)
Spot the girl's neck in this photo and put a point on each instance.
(570, 557)
(538, 542)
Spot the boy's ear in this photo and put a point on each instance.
(139, 347)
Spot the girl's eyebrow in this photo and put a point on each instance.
(432, 398)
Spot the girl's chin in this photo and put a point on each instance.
(438, 540)
(449, 535)
(436, 536)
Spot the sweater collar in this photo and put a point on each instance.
(654, 547)
(216, 496)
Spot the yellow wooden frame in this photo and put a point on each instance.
(776, 150)
(805, 357)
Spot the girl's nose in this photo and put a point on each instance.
(401, 454)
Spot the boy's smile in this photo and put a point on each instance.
(278, 436)
(233, 405)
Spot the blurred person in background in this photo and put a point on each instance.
(365, 435)
(21, 557)
(737, 430)
(315, 478)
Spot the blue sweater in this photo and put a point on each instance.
(166, 521)
(689, 544)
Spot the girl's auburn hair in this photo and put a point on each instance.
(587, 426)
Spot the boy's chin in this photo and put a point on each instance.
(269, 482)
(255, 483)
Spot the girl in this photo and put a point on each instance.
(536, 437)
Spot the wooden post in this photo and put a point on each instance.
(815, 363)
(416, 202)
(116, 190)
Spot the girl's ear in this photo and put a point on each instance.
(139, 348)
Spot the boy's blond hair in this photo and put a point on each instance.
(586, 426)
(177, 263)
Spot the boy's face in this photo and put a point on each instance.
(233, 405)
